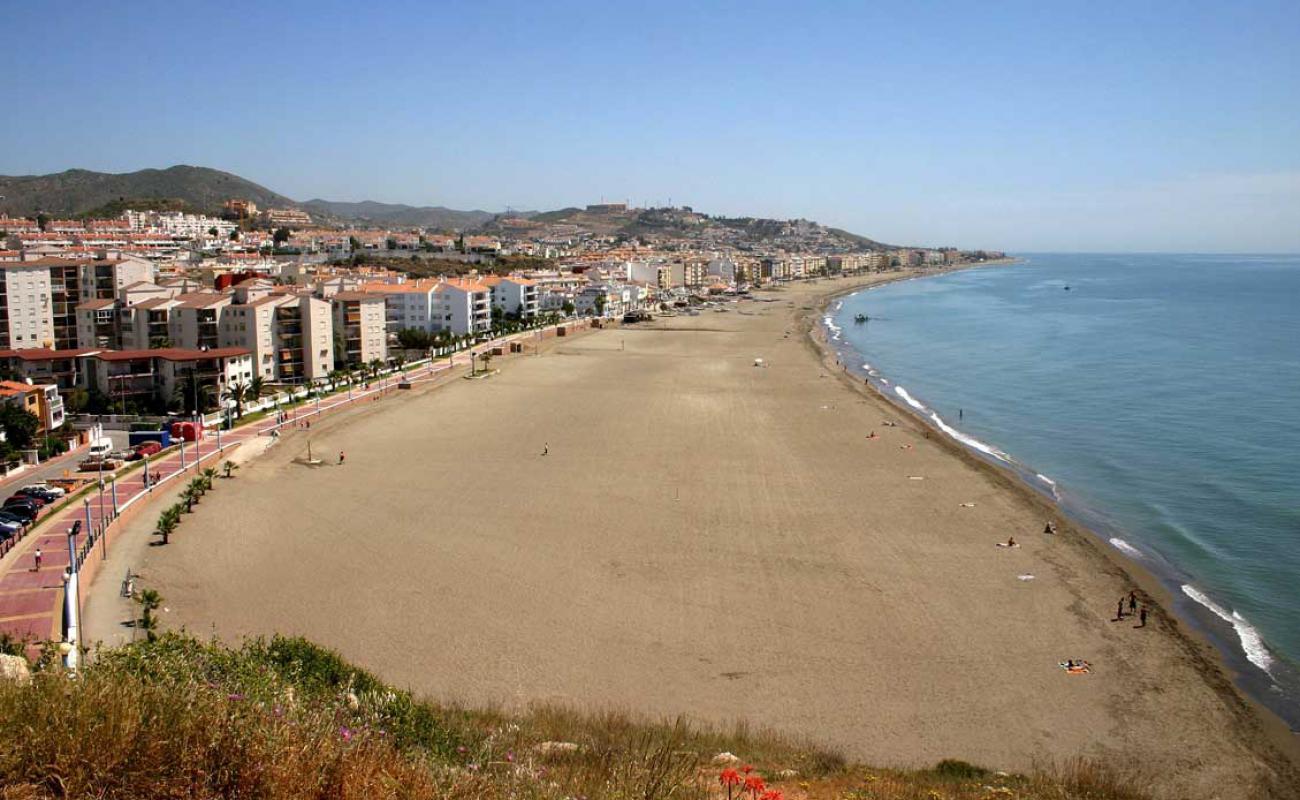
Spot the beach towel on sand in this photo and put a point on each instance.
(1079, 668)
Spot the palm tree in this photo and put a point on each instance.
(208, 475)
(190, 496)
(167, 523)
(150, 601)
(229, 467)
(256, 388)
(237, 392)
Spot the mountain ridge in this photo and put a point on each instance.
(76, 192)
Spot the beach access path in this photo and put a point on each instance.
(31, 600)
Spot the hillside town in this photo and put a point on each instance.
(157, 312)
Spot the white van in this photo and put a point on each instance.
(100, 448)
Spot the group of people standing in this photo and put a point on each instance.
(1132, 601)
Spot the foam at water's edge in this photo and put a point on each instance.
(1125, 548)
(911, 401)
(969, 441)
(1251, 642)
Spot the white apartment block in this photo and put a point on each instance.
(25, 306)
(514, 296)
(465, 306)
(39, 297)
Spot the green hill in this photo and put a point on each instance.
(399, 215)
(77, 191)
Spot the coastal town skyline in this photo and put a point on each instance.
(1004, 128)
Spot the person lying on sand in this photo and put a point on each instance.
(872, 435)
(1010, 542)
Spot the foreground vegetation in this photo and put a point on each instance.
(177, 717)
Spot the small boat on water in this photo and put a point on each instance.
(1067, 287)
(861, 318)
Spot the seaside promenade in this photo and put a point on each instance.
(31, 599)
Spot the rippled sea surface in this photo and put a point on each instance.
(1158, 397)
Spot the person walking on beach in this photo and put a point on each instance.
(38, 559)
(546, 448)
(1119, 612)
(1143, 617)
(340, 458)
(1132, 602)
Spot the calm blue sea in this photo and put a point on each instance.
(1158, 398)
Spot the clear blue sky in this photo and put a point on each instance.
(1026, 126)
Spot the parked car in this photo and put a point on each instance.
(94, 464)
(57, 491)
(44, 495)
(6, 517)
(20, 497)
(22, 511)
(9, 528)
(144, 450)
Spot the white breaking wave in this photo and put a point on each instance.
(1251, 642)
(1050, 483)
(1125, 548)
(969, 441)
(911, 401)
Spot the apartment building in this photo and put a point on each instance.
(65, 369)
(465, 306)
(602, 300)
(41, 311)
(40, 400)
(407, 305)
(150, 377)
(289, 338)
(25, 305)
(514, 296)
(194, 322)
(360, 326)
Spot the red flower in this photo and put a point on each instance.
(729, 777)
(747, 769)
(754, 784)
(772, 794)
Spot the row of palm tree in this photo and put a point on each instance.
(360, 373)
(200, 485)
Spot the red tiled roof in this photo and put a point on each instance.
(45, 354)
